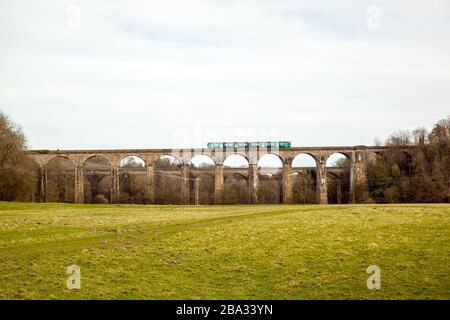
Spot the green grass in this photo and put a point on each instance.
(224, 252)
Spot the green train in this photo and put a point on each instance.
(250, 145)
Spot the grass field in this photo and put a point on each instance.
(227, 252)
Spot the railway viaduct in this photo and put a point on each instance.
(357, 155)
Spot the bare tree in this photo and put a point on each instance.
(18, 172)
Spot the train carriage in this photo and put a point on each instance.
(250, 145)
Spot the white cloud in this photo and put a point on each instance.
(132, 74)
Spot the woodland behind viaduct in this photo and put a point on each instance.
(357, 155)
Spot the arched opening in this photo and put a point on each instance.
(202, 186)
(97, 180)
(270, 161)
(202, 180)
(338, 179)
(168, 180)
(236, 188)
(304, 180)
(236, 180)
(270, 180)
(336, 160)
(61, 180)
(133, 181)
(201, 162)
(235, 161)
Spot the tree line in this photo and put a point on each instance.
(421, 173)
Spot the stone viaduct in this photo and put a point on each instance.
(357, 155)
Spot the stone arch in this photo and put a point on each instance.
(132, 161)
(236, 176)
(236, 184)
(60, 184)
(133, 180)
(167, 161)
(202, 179)
(338, 178)
(168, 179)
(270, 179)
(236, 188)
(304, 178)
(201, 161)
(97, 162)
(236, 161)
(97, 179)
(335, 158)
(57, 157)
(276, 152)
(304, 160)
(202, 186)
(196, 174)
(270, 160)
(96, 156)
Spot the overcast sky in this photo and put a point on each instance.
(150, 74)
